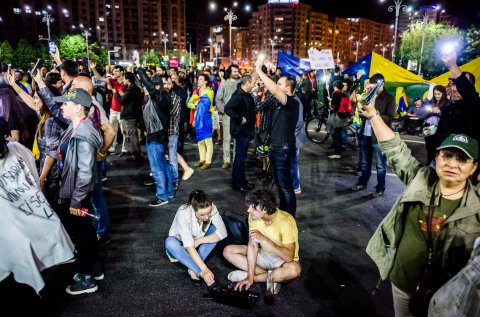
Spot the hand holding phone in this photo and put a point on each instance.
(52, 47)
(373, 92)
(35, 68)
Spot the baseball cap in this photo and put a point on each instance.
(462, 142)
(416, 99)
(76, 95)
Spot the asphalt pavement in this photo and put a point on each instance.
(335, 224)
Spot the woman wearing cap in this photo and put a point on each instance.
(76, 159)
(399, 245)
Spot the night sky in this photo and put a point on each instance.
(468, 11)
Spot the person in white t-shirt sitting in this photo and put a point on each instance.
(195, 231)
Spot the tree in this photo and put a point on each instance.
(72, 46)
(41, 51)
(6, 52)
(98, 54)
(472, 49)
(436, 36)
(151, 58)
(25, 55)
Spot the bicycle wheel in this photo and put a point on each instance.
(316, 130)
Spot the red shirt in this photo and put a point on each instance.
(116, 106)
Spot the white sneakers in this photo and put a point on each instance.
(188, 174)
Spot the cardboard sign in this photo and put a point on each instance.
(321, 59)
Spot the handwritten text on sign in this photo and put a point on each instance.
(321, 59)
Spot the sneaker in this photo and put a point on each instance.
(357, 188)
(149, 182)
(104, 178)
(188, 174)
(98, 272)
(334, 156)
(358, 173)
(378, 194)
(276, 288)
(157, 202)
(237, 276)
(226, 165)
(103, 241)
(83, 283)
(298, 190)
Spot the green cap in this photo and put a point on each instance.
(462, 142)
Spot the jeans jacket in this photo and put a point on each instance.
(462, 227)
(461, 295)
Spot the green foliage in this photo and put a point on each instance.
(25, 55)
(72, 46)
(472, 49)
(436, 35)
(6, 52)
(151, 58)
(98, 54)
(41, 51)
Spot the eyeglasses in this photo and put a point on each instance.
(447, 156)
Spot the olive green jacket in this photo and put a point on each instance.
(461, 228)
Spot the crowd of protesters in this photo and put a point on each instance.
(71, 118)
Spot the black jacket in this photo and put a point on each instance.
(131, 102)
(241, 105)
(163, 104)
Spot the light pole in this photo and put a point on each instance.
(164, 40)
(47, 18)
(383, 51)
(397, 7)
(425, 20)
(230, 17)
(87, 33)
(357, 43)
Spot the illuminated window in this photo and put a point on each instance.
(17, 10)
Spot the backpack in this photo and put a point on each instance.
(345, 109)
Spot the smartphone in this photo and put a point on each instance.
(9, 70)
(35, 68)
(373, 92)
(52, 47)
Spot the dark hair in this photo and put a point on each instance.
(338, 84)
(228, 72)
(167, 77)
(375, 78)
(198, 199)
(205, 76)
(264, 199)
(70, 67)
(120, 68)
(444, 100)
(470, 77)
(336, 69)
(245, 79)
(290, 82)
(130, 77)
(3, 141)
(51, 79)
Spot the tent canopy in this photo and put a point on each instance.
(472, 67)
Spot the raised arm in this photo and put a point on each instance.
(92, 65)
(27, 99)
(269, 84)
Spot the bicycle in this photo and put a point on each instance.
(316, 127)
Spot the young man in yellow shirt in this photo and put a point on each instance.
(273, 244)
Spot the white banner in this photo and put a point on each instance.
(321, 59)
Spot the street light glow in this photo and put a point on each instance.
(247, 7)
(213, 5)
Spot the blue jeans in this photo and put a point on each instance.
(296, 170)
(99, 204)
(281, 161)
(238, 170)
(175, 249)
(172, 156)
(161, 170)
(368, 149)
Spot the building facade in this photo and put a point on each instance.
(128, 24)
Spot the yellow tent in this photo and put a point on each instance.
(472, 67)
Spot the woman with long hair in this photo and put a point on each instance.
(196, 229)
(432, 118)
(54, 82)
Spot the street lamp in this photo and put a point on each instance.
(47, 18)
(230, 17)
(86, 33)
(425, 18)
(164, 40)
(397, 7)
(357, 43)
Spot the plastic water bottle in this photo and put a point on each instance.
(269, 299)
(84, 212)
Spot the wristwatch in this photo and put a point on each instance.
(373, 115)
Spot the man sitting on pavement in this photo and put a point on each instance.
(273, 244)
